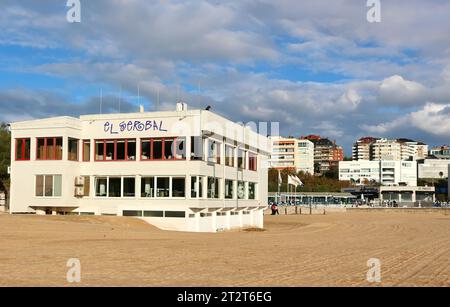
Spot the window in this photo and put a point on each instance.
(87, 186)
(157, 150)
(99, 151)
(86, 150)
(49, 148)
(48, 185)
(163, 149)
(100, 187)
(213, 188)
(162, 186)
(39, 186)
(72, 149)
(114, 187)
(180, 149)
(251, 190)
(241, 190)
(196, 148)
(175, 214)
(153, 213)
(132, 213)
(146, 150)
(197, 187)
(252, 161)
(178, 187)
(23, 149)
(148, 187)
(213, 151)
(229, 189)
(229, 156)
(241, 158)
(129, 187)
(115, 150)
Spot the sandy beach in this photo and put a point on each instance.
(330, 250)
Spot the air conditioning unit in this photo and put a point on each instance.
(79, 181)
(79, 192)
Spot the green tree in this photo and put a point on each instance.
(5, 157)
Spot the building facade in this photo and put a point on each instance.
(433, 169)
(388, 173)
(326, 153)
(291, 153)
(375, 149)
(183, 170)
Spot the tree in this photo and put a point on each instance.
(5, 157)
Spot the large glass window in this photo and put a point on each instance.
(180, 148)
(146, 149)
(229, 155)
(40, 186)
(23, 149)
(129, 187)
(114, 187)
(99, 150)
(229, 189)
(251, 190)
(162, 186)
(197, 187)
(213, 187)
(87, 150)
(49, 148)
(168, 150)
(196, 148)
(48, 185)
(252, 161)
(48, 190)
(148, 187)
(87, 186)
(115, 150)
(163, 149)
(100, 187)
(72, 149)
(241, 190)
(213, 151)
(178, 187)
(241, 158)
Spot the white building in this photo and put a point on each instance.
(183, 170)
(386, 172)
(434, 169)
(291, 153)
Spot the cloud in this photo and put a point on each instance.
(396, 90)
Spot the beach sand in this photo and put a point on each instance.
(330, 250)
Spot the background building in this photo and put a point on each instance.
(291, 153)
(326, 153)
(376, 149)
(385, 172)
(440, 152)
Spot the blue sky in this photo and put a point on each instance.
(314, 66)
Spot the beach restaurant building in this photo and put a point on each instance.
(183, 170)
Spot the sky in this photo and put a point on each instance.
(316, 67)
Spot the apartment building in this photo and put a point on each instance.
(292, 153)
(375, 149)
(326, 153)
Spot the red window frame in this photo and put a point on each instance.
(114, 159)
(78, 150)
(252, 161)
(45, 148)
(22, 149)
(163, 140)
(84, 152)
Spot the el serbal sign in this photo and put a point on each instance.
(133, 126)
